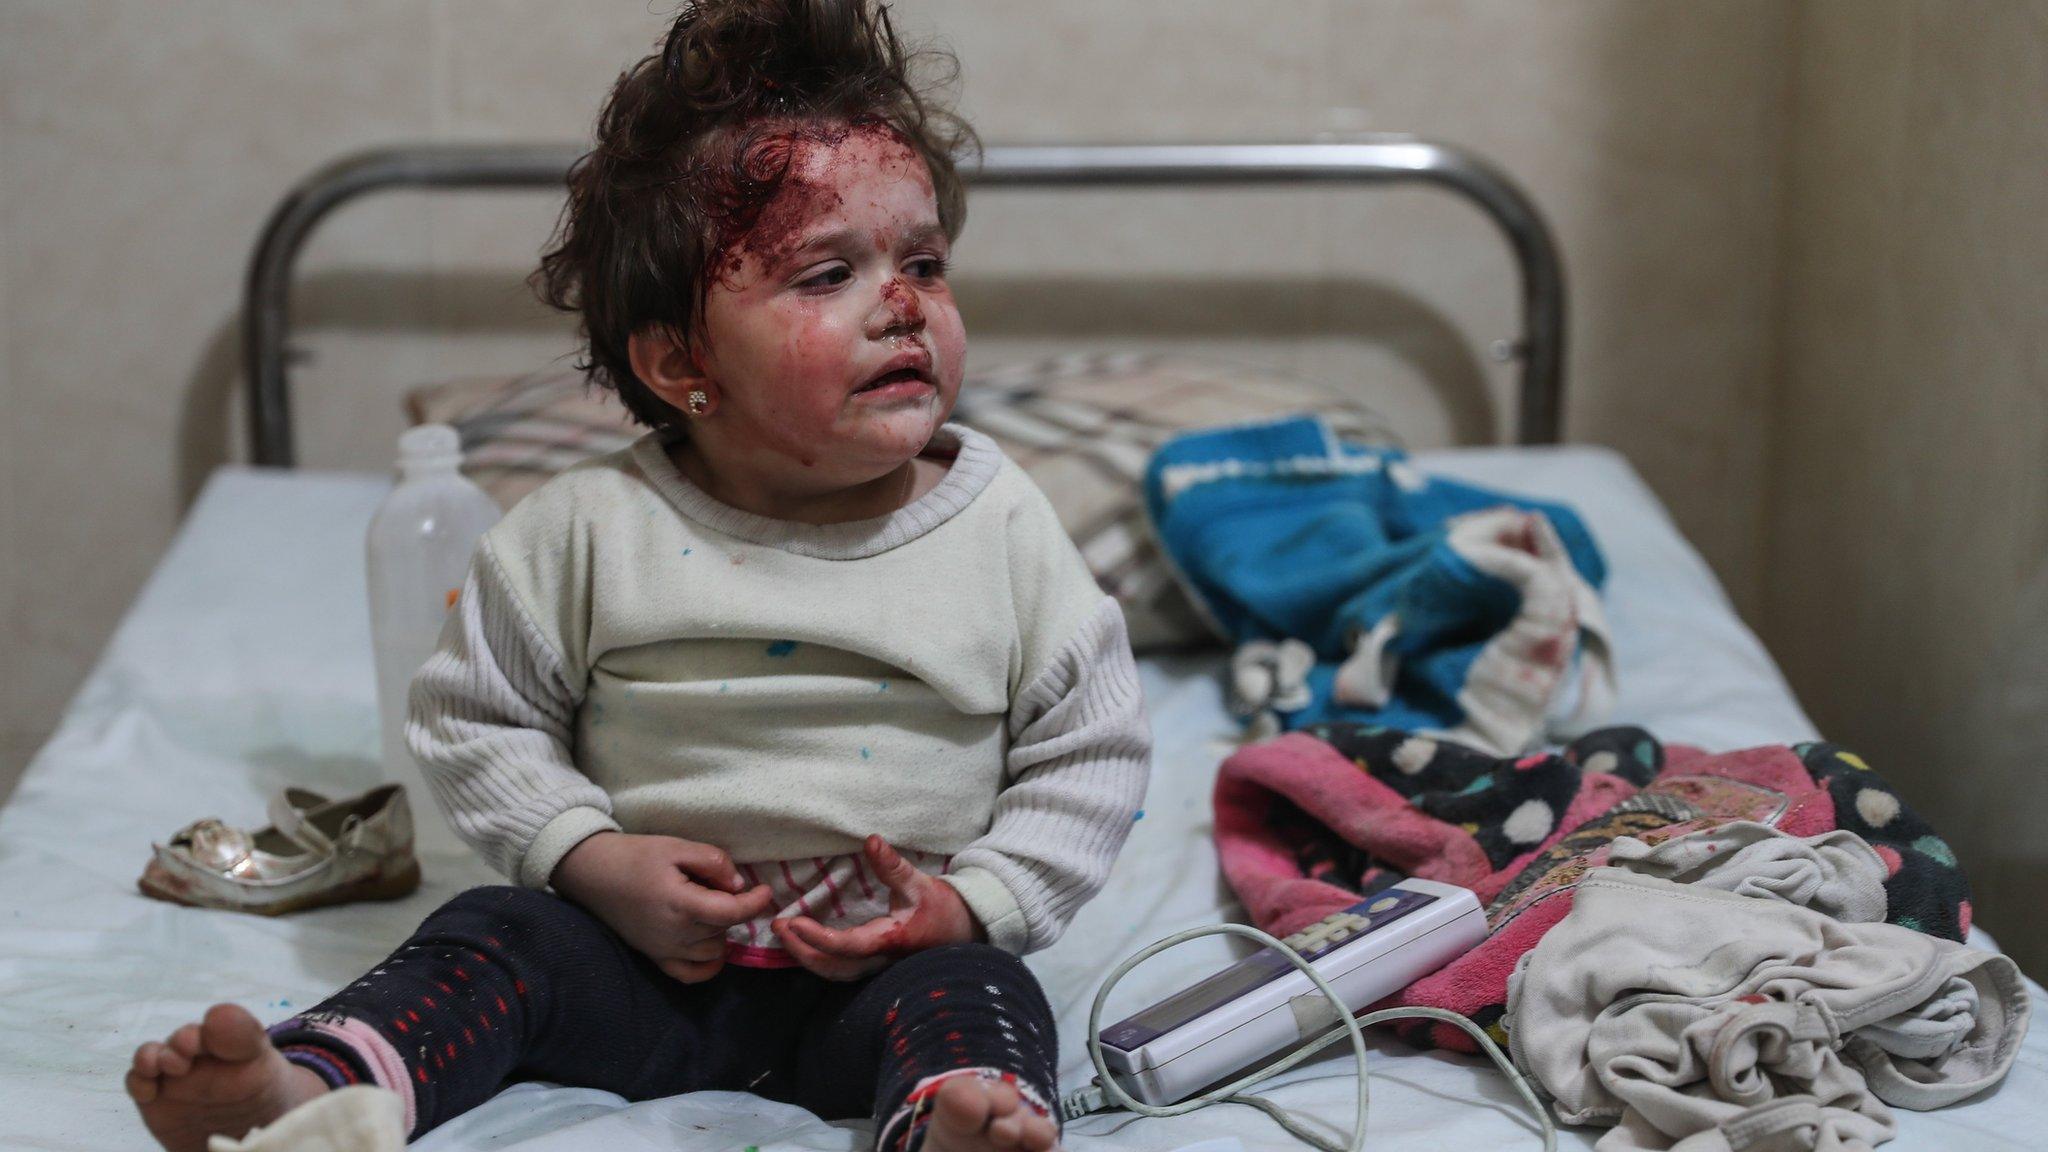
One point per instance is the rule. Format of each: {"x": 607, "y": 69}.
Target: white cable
{"x": 1106, "y": 1092}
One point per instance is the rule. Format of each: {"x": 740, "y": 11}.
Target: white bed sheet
{"x": 245, "y": 665}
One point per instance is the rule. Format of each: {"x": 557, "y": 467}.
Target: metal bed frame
{"x": 1377, "y": 160}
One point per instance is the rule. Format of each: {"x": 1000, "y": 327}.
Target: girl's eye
{"x": 830, "y": 277}
{"x": 928, "y": 267}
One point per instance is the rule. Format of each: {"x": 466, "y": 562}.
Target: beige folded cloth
{"x": 359, "y": 1118}
{"x": 1698, "y": 1020}
{"x": 1836, "y": 873}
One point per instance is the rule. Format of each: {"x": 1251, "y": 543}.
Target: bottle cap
{"x": 430, "y": 447}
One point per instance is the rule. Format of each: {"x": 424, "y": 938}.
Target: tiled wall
{"x": 1907, "y": 588}
{"x": 141, "y": 144}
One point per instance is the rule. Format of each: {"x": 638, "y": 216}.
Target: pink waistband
{"x": 754, "y": 956}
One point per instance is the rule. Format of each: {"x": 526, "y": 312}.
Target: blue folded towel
{"x": 1282, "y": 531}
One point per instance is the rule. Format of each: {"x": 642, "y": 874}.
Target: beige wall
{"x": 1804, "y": 242}
{"x": 141, "y": 144}
{"x": 1908, "y": 558}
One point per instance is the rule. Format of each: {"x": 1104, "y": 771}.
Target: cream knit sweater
{"x": 629, "y": 653}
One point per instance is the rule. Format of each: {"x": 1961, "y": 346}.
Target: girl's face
{"x": 829, "y": 328}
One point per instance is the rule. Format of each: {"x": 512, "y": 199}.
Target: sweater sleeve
{"x": 490, "y": 720}
{"x": 1079, "y": 757}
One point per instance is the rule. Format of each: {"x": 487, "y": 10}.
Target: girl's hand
{"x": 924, "y": 912}
{"x": 671, "y": 899}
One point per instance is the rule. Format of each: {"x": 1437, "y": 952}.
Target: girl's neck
{"x": 736, "y": 488}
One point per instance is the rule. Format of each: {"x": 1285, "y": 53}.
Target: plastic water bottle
{"x": 420, "y": 545}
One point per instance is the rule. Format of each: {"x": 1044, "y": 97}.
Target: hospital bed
{"x": 245, "y": 665}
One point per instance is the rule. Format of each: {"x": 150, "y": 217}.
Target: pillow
{"x": 1082, "y": 427}
{"x": 517, "y": 433}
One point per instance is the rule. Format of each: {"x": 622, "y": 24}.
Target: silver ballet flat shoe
{"x": 315, "y": 852}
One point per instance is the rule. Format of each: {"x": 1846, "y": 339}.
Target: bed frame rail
{"x": 1378, "y": 160}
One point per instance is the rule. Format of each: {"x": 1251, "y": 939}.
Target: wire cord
{"x": 1106, "y": 1093}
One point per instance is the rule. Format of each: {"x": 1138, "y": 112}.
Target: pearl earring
{"x": 697, "y": 402}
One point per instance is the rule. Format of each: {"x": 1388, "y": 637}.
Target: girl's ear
{"x": 665, "y": 363}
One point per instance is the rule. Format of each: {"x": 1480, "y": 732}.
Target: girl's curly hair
{"x": 679, "y": 173}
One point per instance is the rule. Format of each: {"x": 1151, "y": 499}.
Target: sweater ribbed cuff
{"x": 572, "y": 827}
{"x": 992, "y": 904}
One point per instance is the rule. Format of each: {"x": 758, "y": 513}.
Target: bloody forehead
{"x": 762, "y": 199}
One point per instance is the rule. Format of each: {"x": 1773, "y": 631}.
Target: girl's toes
{"x": 173, "y": 1063}
{"x": 147, "y": 1060}
{"x": 984, "y": 1115}
{"x": 1039, "y": 1135}
{"x": 141, "y": 1089}
{"x": 231, "y": 1033}
{"x": 1007, "y": 1109}
{"x": 1003, "y": 1099}
{"x": 1006, "y": 1132}
{"x": 185, "y": 1041}
{"x": 962, "y": 1106}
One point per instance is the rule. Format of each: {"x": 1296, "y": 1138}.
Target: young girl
{"x": 797, "y": 722}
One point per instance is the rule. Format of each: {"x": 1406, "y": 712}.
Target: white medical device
{"x": 1262, "y": 1004}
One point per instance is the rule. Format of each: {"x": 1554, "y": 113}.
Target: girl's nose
{"x": 898, "y": 312}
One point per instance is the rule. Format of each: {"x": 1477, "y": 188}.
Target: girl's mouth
{"x": 889, "y": 379}
{"x": 902, "y": 384}
{"x": 907, "y": 381}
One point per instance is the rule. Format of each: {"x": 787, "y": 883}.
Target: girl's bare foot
{"x": 975, "y": 1115}
{"x": 218, "y": 1076}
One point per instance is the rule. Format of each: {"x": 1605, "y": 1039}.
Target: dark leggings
{"x": 505, "y": 984}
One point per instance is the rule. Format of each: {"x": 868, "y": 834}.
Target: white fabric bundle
{"x": 1705, "y": 1021}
